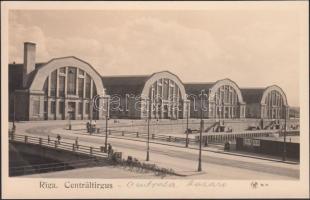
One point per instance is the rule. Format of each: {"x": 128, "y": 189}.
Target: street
{"x": 184, "y": 160}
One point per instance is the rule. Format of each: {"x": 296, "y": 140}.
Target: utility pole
{"x": 69, "y": 117}
{"x": 91, "y": 117}
{"x": 14, "y": 127}
{"x": 148, "y": 131}
{"x": 201, "y": 127}
{"x": 106, "y": 125}
{"x": 284, "y": 134}
{"x": 186, "y": 144}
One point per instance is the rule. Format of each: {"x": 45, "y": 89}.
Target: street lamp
{"x": 69, "y": 117}
{"x": 106, "y": 123}
{"x": 284, "y": 138}
{"x": 187, "y": 131}
{"x": 148, "y": 130}
{"x": 14, "y": 127}
{"x": 91, "y": 116}
{"x": 201, "y": 127}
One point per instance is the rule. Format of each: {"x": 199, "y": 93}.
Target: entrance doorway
{"x": 71, "y": 109}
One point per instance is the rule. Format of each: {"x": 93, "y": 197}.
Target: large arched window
{"x": 226, "y": 102}
{"x": 165, "y": 96}
{"x": 274, "y": 105}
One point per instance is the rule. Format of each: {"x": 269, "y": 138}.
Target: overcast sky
{"x": 255, "y": 48}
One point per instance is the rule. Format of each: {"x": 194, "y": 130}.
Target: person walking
{"x": 77, "y": 142}
{"x": 48, "y": 139}
{"x": 88, "y": 127}
{"x": 58, "y": 138}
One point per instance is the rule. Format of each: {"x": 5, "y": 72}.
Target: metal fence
{"x": 158, "y": 137}
{"x": 95, "y": 156}
{"x": 51, "y": 167}
{"x": 54, "y": 143}
{"x": 212, "y": 138}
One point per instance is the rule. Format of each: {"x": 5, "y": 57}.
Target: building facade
{"x": 266, "y": 103}
{"x": 159, "y": 96}
{"x": 66, "y": 87}
{"x": 59, "y": 89}
{"x": 220, "y": 100}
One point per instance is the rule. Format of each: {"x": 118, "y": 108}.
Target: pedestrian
{"x": 58, "y": 138}
{"x": 48, "y": 139}
{"x": 77, "y": 142}
{"x": 109, "y": 148}
{"x": 87, "y": 126}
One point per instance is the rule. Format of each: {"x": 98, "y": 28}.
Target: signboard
{"x": 256, "y": 143}
{"x": 247, "y": 142}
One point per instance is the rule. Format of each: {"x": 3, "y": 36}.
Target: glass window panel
{"x": 62, "y": 80}
{"x": 61, "y": 107}
{"x": 36, "y": 107}
{"x": 80, "y": 108}
{"x": 71, "y": 80}
{"x": 81, "y": 87}
{"x": 87, "y": 92}
{"x": 53, "y": 107}
{"x": 53, "y": 83}
{"x": 62, "y": 70}
{"x": 87, "y": 107}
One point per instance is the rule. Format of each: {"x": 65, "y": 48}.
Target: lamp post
{"x": 106, "y": 124}
{"x": 14, "y": 127}
{"x": 69, "y": 117}
{"x": 186, "y": 143}
{"x": 284, "y": 138}
{"x": 148, "y": 131}
{"x": 201, "y": 127}
{"x": 91, "y": 116}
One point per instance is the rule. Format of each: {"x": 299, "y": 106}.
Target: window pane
{"x": 61, "y": 86}
{"x": 81, "y": 72}
{"x": 81, "y": 87}
{"x": 87, "y": 108}
{"x": 62, "y": 70}
{"x": 61, "y": 107}
{"x": 53, "y": 83}
{"x": 53, "y": 107}
{"x": 36, "y": 107}
{"x": 72, "y": 80}
{"x": 80, "y": 108}
{"x": 87, "y": 86}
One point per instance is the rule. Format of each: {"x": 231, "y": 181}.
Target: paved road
{"x": 280, "y": 169}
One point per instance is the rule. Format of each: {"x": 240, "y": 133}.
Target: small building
{"x": 57, "y": 89}
{"x": 219, "y": 100}
{"x": 266, "y": 103}
{"x": 270, "y": 145}
{"x": 132, "y": 97}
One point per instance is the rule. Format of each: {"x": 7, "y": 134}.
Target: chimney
{"x": 29, "y": 60}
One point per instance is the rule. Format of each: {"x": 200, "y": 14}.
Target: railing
{"x": 231, "y": 136}
{"x": 212, "y": 137}
{"x": 67, "y": 146}
{"x": 50, "y": 167}
{"x": 135, "y": 134}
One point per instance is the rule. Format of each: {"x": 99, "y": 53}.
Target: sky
{"x": 254, "y": 48}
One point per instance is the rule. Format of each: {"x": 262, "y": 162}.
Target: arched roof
{"x": 163, "y": 74}
{"x": 273, "y": 88}
{"x": 44, "y": 70}
{"x": 258, "y": 95}
{"x": 229, "y": 82}
{"x": 138, "y": 85}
